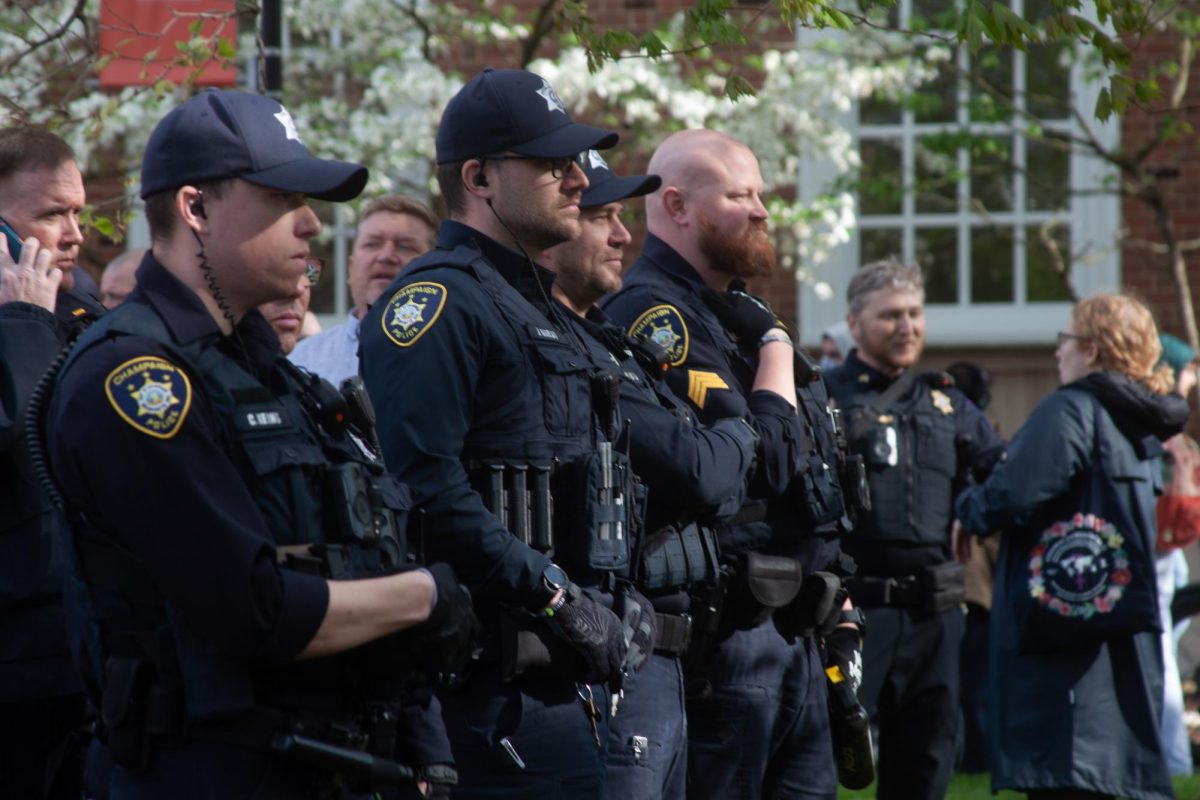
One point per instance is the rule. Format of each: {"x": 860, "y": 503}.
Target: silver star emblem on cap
{"x": 596, "y": 161}
{"x": 289, "y": 125}
{"x": 551, "y": 97}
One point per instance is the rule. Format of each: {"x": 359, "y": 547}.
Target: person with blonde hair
{"x": 1076, "y": 667}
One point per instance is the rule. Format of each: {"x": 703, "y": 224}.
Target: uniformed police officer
{"x": 221, "y": 504}
{"x": 758, "y": 722}
{"x": 503, "y": 426}
{"x": 693, "y": 475}
{"x": 921, "y": 439}
{"x": 42, "y": 707}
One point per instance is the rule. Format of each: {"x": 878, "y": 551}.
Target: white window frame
{"x": 1093, "y": 217}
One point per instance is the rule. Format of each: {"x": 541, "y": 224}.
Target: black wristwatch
{"x": 855, "y": 617}
{"x": 554, "y": 580}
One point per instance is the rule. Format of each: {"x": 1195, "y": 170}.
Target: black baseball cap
{"x": 221, "y": 134}
{"x": 605, "y": 186}
{"x": 512, "y": 110}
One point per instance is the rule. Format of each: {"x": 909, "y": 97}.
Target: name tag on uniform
{"x": 260, "y": 418}
{"x": 545, "y": 334}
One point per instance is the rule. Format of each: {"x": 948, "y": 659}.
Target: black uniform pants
{"x": 910, "y": 689}
{"x": 41, "y": 748}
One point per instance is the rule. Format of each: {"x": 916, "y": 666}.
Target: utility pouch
{"x": 764, "y": 584}
{"x": 854, "y": 484}
{"x": 943, "y": 586}
{"x": 817, "y": 604}
{"x": 674, "y": 558}
{"x": 603, "y": 508}
{"x": 822, "y": 497}
{"x": 528, "y": 646}
{"x": 123, "y": 710}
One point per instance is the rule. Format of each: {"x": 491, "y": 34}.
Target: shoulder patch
{"x": 700, "y": 383}
{"x": 151, "y": 394}
{"x": 664, "y": 326}
{"x": 412, "y": 311}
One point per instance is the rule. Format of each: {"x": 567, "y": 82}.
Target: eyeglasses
{"x": 1064, "y": 337}
{"x": 312, "y": 270}
{"x": 559, "y": 167}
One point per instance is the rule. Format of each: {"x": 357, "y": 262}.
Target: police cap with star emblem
{"x": 605, "y": 186}
{"x": 222, "y": 134}
{"x": 515, "y": 111}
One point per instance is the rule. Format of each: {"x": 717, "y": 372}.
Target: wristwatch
{"x": 775, "y": 335}
{"x": 554, "y": 580}
{"x": 855, "y": 617}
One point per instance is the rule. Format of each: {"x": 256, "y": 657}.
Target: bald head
{"x": 119, "y": 278}
{"x": 709, "y": 207}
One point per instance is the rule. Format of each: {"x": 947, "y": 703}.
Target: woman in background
{"x": 1081, "y": 722}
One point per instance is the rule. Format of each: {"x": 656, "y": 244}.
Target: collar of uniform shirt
{"x": 857, "y": 367}
{"x": 188, "y": 320}
{"x": 669, "y": 260}
{"x": 511, "y": 265}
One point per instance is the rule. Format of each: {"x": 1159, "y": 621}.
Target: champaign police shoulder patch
{"x": 664, "y": 326}
{"x": 151, "y": 394}
{"x": 412, "y": 311}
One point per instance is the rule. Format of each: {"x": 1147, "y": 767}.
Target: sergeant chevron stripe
{"x": 699, "y": 383}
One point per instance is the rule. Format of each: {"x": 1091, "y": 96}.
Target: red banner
{"x": 145, "y": 41}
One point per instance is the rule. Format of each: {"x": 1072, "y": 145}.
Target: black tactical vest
{"x": 909, "y": 450}
{"x": 304, "y": 480}
{"x": 552, "y": 475}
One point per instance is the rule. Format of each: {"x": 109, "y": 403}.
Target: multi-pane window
{"x": 972, "y": 177}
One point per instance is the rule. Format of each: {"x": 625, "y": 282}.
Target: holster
{"x": 123, "y": 711}
{"x": 527, "y": 645}
{"x": 944, "y": 586}
{"x": 816, "y": 608}
{"x": 763, "y": 584}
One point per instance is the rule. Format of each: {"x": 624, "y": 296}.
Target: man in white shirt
{"x": 392, "y": 231}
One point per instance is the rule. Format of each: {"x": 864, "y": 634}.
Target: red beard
{"x": 750, "y": 255}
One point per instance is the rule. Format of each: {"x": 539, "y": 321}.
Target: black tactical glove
{"x": 843, "y": 649}
{"x": 594, "y": 632}
{"x": 637, "y": 618}
{"x": 742, "y": 314}
{"x": 447, "y": 640}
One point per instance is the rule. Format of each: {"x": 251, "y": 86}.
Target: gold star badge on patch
{"x": 941, "y": 401}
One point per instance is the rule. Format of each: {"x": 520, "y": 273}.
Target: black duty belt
{"x": 902, "y": 592}
{"x": 674, "y": 632}
{"x": 330, "y": 745}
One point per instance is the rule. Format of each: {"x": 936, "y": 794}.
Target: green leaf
{"x": 104, "y": 225}
{"x": 736, "y": 86}
{"x": 226, "y": 48}
{"x": 1104, "y": 108}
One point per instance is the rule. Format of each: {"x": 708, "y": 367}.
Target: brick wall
{"x": 1143, "y": 272}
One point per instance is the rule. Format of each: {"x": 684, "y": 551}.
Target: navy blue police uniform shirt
{"x": 692, "y": 472}
{"x": 661, "y": 299}
{"x": 462, "y": 374}
{"x": 136, "y": 448}
{"x": 854, "y": 377}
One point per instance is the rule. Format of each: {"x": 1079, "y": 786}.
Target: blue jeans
{"x": 647, "y": 739}
{"x": 529, "y": 738}
{"x": 758, "y": 721}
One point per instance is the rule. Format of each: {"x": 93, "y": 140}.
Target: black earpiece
{"x": 480, "y": 179}
{"x": 198, "y": 207}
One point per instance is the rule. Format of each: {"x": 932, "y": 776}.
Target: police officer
{"x": 693, "y": 475}
{"x": 707, "y": 230}
{"x": 227, "y": 520}
{"x": 42, "y": 707}
{"x": 921, "y": 440}
{"x": 492, "y": 411}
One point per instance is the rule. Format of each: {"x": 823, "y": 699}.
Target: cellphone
{"x": 14, "y": 241}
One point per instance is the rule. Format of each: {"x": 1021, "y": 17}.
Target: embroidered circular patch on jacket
{"x": 664, "y": 326}
{"x": 412, "y": 311}
{"x": 151, "y": 394}
{"x": 1079, "y": 568}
